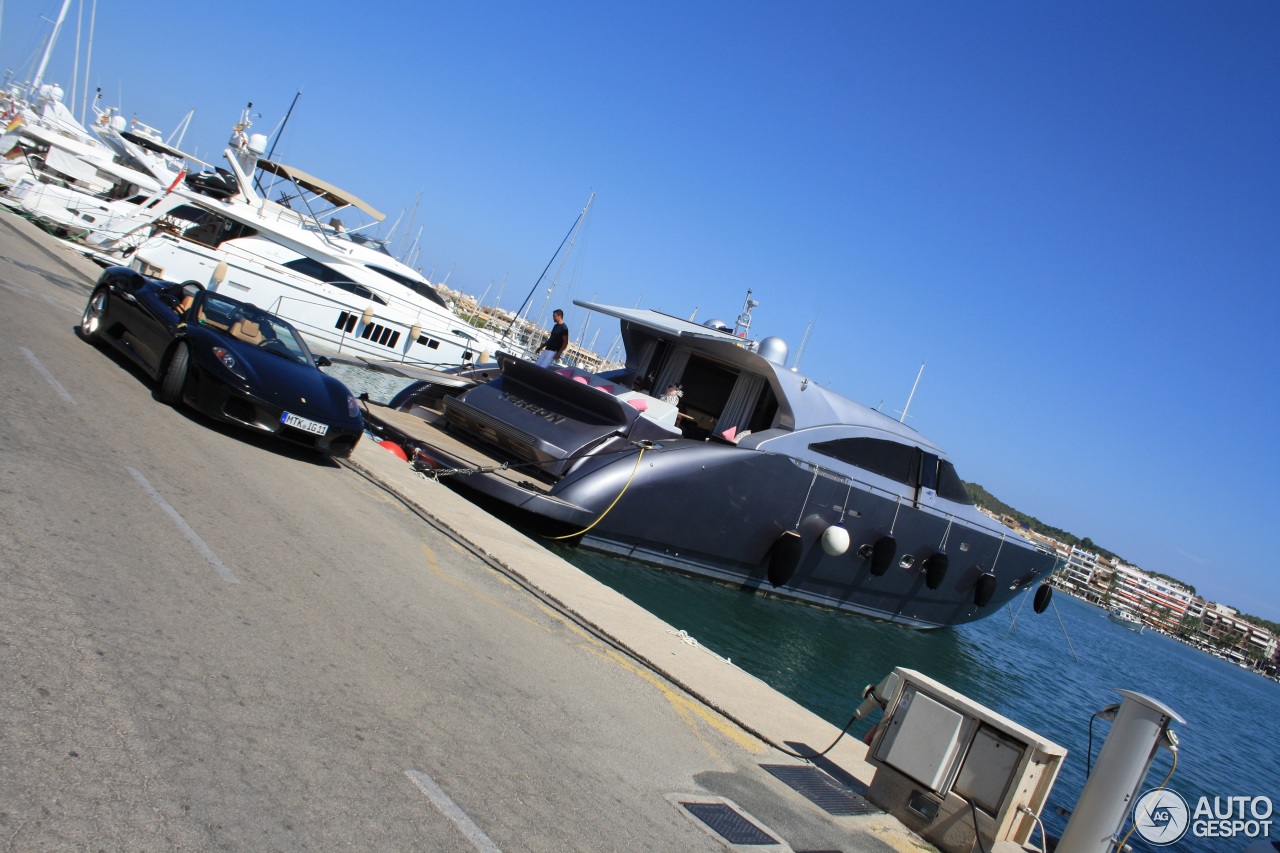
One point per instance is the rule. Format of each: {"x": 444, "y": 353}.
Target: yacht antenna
{"x": 912, "y": 394}
{"x": 795, "y": 365}
{"x": 743, "y": 324}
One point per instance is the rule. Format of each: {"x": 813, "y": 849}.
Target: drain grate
{"x": 829, "y": 795}
{"x": 728, "y": 824}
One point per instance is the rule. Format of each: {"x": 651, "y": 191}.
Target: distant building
{"x": 1079, "y": 574}
{"x": 1159, "y": 602}
{"x": 1236, "y": 639}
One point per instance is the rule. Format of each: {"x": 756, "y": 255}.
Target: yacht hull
{"x": 719, "y": 511}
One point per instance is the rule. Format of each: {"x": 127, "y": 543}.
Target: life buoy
{"x": 1043, "y": 596}
{"x": 935, "y": 570}
{"x": 984, "y": 588}
{"x": 784, "y": 557}
{"x": 882, "y": 554}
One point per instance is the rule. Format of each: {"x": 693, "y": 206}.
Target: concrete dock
{"x": 749, "y": 724}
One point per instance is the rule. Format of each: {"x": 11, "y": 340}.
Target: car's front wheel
{"x": 94, "y": 314}
{"x": 174, "y": 378}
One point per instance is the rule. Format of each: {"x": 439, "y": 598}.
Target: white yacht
{"x": 338, "y": 287}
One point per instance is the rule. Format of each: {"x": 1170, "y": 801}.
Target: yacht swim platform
{"x": 413, "y": 433}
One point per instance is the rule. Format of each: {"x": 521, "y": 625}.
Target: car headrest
{"x": 246, "y": 330}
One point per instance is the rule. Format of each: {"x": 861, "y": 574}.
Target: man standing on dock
{"x": 557, "y": 341}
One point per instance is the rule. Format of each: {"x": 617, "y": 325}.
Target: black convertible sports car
{"x": 226, "y": 358}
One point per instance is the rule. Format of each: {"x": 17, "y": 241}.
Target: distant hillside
{"x": 993, "y": 504}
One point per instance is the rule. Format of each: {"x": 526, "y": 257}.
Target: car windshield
{"x": 252, "y": 325}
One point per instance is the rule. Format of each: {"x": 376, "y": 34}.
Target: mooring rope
{"x": 625, "y": 486}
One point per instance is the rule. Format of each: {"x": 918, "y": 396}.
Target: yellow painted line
{"x": 686, "y": 707}
{"x": 689, "y": 710}
{"x": 383, "y": 497}
{"x": 435, "y": 568}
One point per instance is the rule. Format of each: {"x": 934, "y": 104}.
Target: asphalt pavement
{"x": 210, "y": 640}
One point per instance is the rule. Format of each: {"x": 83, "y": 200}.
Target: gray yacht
{"x": 704, "y": 453}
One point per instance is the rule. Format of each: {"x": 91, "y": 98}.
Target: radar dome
{"x": 774, "y": 349}
{"x": 258, "y": 143}
{"x": 718, "y": 325}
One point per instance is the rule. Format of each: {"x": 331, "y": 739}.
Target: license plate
{"x": 303, "y": 424}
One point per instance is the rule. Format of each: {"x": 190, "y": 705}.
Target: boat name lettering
{"x": 533, "y": 409}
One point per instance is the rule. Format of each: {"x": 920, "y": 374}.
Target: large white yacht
{"x": 217, "y": 228}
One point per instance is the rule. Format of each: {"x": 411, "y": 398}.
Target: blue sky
{"x": 1069, "y": 211}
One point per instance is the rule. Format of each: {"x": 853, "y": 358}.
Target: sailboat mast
{"x": 564, "y": 259}
{"x": 573, "y": 232}
{"x": 88, "y": 56}
{"x": 48, "y": 50}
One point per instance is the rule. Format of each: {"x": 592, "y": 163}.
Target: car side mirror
{"x": 323, "y": 361}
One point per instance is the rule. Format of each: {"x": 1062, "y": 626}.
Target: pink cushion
{"x": 730, "y": 433}
{"x": 565, "y": 371}
{"x": 638, "y": 404}
{"x": 608, "y": 389}
{"x": 581, "y": 379}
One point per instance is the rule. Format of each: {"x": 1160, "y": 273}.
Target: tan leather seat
{"x": 246, "y": 330}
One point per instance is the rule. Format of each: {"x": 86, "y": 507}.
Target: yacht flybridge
{"x": 704, "y": 453}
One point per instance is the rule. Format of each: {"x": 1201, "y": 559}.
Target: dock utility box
{"x": 950, "y": 769}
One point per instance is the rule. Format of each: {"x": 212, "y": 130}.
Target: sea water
{"x": 1048, "y": 672}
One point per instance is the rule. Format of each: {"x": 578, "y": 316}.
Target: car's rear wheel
{"x": 174, "y": 378}
{"x": 94, "y": 314}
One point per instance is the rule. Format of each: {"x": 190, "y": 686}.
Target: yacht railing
{"x": 871, "y": 488}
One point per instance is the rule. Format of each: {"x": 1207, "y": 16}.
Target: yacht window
{"x": 902, "y": 463}
{"x": 314, "y": 269}
{"x": 950, "y": 486}
{"x": 203, "y": 226}
{"x": 877, "y": 455}
{"x": 422, "y": 288}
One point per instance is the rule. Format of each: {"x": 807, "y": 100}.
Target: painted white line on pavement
{"x": 44, "y": 371}
{"x": 451, "y": 810}
{"x": 204, "y": 549}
